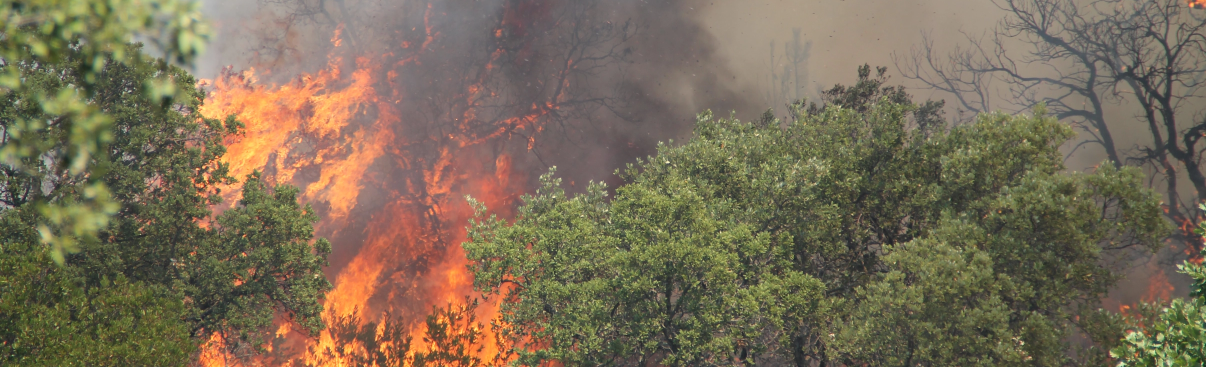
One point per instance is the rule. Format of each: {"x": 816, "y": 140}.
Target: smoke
{"x": 734, "y": 34}
{"x": 388, "y": 113}
{"x": 672, "y": 67}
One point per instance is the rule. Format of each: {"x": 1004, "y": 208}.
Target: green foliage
{"x": 48, "y": 319}
{"x": 258, "y": 261}
{"x": 860, "y": 232}
{"x": 1178, "y": 336}
{"x": 68, "y": 129}
{"x": 868, "y": 90}
{"x": 943, "y": 304}
{"x": 656, "y": 270}
{"x": 167, "y": 255}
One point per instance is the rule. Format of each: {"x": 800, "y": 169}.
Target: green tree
{"x": 164, "y": 263}
{"x": 845, "y": 236}
{"x": 48, "y": 318}
{"x": 69, "y": 129}
{"x": 1178, "y": 336}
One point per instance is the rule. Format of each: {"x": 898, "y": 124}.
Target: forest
{"x": 579, "y": 183}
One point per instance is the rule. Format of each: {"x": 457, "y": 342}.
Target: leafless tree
{"x": 1081, "y": 58}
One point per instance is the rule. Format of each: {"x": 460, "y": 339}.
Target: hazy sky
{"x": 844, "y": 33}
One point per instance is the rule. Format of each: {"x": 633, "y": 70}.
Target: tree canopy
{"x": 94, "y": 33}
{"x": 165, "y": 273}
{"x": 848, "y": 234}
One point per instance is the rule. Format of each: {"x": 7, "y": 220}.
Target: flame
{"x": 387, "y": 178}
{"x": 213, "y": 353}
{"x": 1197, "y": 4}
{"x": 276, "y": 117}
{"x": 1158, "y": 287}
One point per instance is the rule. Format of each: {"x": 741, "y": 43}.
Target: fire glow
{"x": 388, "y": 168}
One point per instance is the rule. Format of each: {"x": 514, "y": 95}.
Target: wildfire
{"x": 212, "y": 353}
{"x": 386, "y": 169}
{"x": 392, "y": 132}
{"x": 1197, "y": 4}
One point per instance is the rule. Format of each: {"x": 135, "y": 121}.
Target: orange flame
{"x": 386, "y": 140}
{"x": 213, "y": 353}
{"x": 381, "y": 179}
{"x": 1158, "y": 288}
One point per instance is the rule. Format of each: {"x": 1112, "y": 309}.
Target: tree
{"x": 47, "y": 318}
{"x": 164, "y": 263}
{"x": 1082, "y": 57}
{"x": 1178, "y": 336}
{"x": 846, "y": 236}
{"x": 869, "y": 90}
{"x": 43, "y": 32}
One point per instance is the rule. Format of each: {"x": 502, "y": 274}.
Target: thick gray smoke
{"x": 653, "y": 64}
{"x": 725, "y": 45}
{"x": 582, "y": 85}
